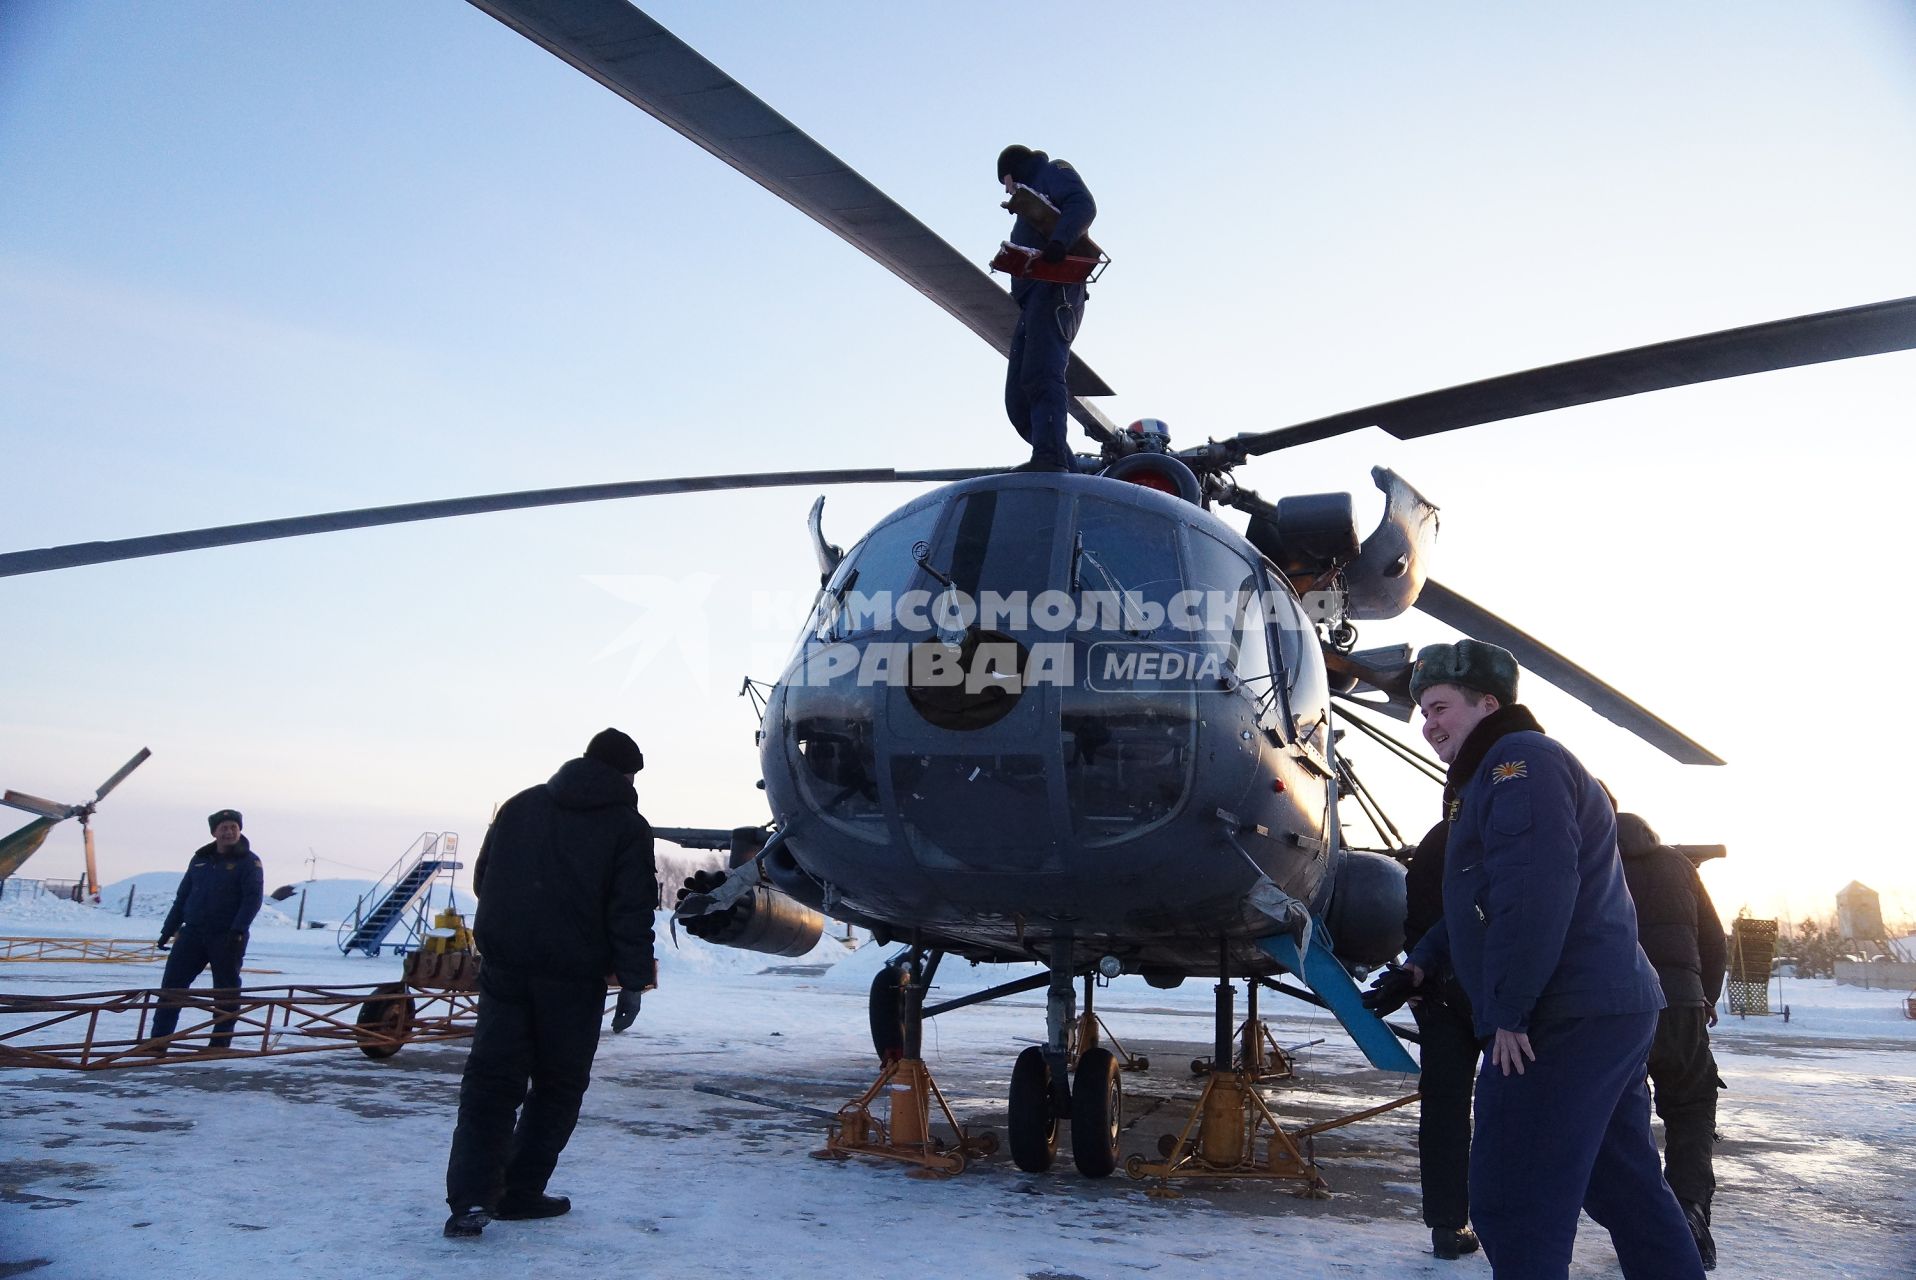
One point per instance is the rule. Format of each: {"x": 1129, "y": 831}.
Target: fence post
{"x": 301, "y": 922}
{"x": 129, "y": 902}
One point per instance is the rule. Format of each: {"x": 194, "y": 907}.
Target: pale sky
{"x": 262, "y": 260}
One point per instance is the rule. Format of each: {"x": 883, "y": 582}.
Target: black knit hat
{"x": 213, "y": 820}
{"x": 1016, "y": 161}
{"x": 613, "y": 749}
{"x": 1468, "y": 664}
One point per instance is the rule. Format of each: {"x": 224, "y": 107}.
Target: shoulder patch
{"x": 1507, "y": 770}
{"x": 1065, "y": 165}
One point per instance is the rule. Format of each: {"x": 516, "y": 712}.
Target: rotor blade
{"x": 120, "y": 777}
{"x": 19, "y": 562}
{"x": 34, "y": 804}
{"x": 695, "y": 837}
{"x": 632, "y": 55}
{"x": 1870, "y": 330}
{"x": 1445, "y": 605}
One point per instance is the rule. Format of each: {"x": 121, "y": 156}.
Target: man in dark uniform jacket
{"x": 1036, "y": 398}
{"x": 567, "y": 886}
{"x": 1539, "y": 929}
{"x": 212, "y": 910}
{"x": 1447, "y": 1056}
{"x": 1678, "y": 927}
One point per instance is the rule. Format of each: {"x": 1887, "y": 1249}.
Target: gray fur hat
{"x": 1469, "y": 664}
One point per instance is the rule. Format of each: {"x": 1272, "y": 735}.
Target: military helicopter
{"x": 1174, "y": 826}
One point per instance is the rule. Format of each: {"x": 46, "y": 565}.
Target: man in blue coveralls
{"x": 1036, "y": 399}
{"x": 1539, "y": 929}
{"x": 217, "y": 899}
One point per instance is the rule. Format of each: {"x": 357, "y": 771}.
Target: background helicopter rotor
{"x": 54, "y": 812}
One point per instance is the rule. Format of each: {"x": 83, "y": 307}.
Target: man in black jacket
{"x": 1678, "y": 927}
{"x": 212, "y": 910}
{"x": 1447, "y": 1056}
{"x": 567, "y": 886}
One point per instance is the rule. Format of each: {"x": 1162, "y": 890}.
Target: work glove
{"x": 166, "y": 940}
{"x": 1054, "y": 251}
{"x": 628, "y": 1009}
{"x": 1390, "y": 992}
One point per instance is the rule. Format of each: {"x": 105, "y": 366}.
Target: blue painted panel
{"x": 1322, "y": 973}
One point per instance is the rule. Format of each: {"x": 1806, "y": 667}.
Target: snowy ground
{"x": 331, "y": 1164}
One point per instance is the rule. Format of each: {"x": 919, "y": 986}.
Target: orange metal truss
{"x": 95, "y": 1030}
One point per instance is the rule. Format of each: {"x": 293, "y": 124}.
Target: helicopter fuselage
{"x": 1030, "y": 707}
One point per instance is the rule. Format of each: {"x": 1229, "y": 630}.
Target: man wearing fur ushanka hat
{"x": 1539, "y": 929}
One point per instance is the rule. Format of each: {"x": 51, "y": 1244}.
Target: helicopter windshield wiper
{"x": 1128, "y": 608}
{"x": 921, "y": 554}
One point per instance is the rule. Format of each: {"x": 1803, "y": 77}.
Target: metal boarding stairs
{"x": 408, "y": 884}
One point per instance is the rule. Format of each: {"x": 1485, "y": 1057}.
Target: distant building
{"x": 1859, "y": 912}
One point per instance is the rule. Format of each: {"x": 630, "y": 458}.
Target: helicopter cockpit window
{"x": 1124, "y": 570}
{"x": 999, "y": 541}
{"x": 1233, "y": 616}
{"x": 1127, "y": 760}
{"x": 882, "y": 563}
{"x": 838, "y": 769}
{"x": 1309, "y": 692}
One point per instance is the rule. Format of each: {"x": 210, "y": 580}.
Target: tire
{"x": 391, "y": 1019}
{"x": 889, "y": 1002}
{"x": 1097, "y": 1106}
{"x": 1032, "y": 1126}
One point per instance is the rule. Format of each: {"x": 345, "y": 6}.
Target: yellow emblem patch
{"x": 1509, "y": 769}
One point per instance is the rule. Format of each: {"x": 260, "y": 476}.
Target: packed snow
{"x": 330, "y": 1164}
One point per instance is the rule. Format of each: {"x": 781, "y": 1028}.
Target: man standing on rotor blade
{"x": 1036, "y": 398}
{"x": 1539, "y": 928}
{"x": 567, "y": 886}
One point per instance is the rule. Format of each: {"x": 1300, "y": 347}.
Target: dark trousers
{"x": 1573, "y": 1132}
{"x": 1683, "y": 1071}
{"x": 1036, "y": 398}
{"x": 533, "y": 1045}
{"x": 192, "y": 951}
{"x": 1448, "y": 1058}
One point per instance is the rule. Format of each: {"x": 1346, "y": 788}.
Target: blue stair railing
{"x": 401, "y": 897}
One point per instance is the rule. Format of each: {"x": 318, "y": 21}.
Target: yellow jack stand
{"x": 1258, "y": 1053}
{"x": 906, "y": 1091}
{"x": 1221, "y": 1139}
{"x": 1090, "y": 1032}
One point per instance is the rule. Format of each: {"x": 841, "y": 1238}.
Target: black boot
{"x": 467, "y": 1223}
{"x": 1699, "y": 1219}
{"x": 518, "y": 1208}
{"x": 1451, "y": 1245}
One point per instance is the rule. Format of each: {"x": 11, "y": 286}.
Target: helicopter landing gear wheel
{"x": 1097, "y": 1102}
{"x": 891, "y": 1010}
{"x": 1032, "y": 1127}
